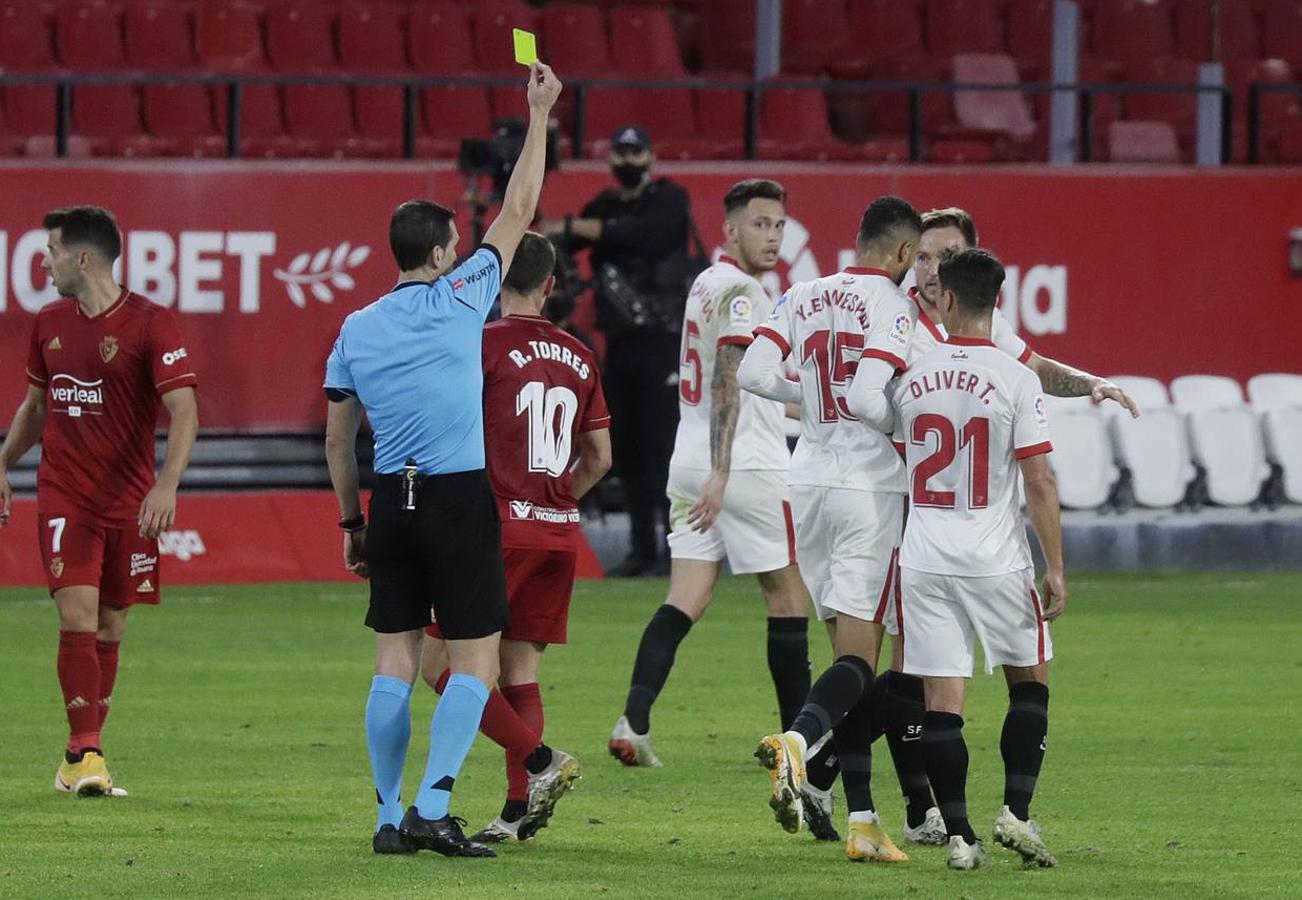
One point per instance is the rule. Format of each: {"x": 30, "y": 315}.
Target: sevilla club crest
{"x": 56, "y": 567}
{"x": 108, "y": 348}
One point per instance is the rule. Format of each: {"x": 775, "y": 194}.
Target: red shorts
{"x": 538, "y": 588}
{"x": 118, "y": 561}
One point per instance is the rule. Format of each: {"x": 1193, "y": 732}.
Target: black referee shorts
{"x": 445, "y": 556}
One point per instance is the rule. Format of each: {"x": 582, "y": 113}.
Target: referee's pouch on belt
{"x": 409, "y": 489}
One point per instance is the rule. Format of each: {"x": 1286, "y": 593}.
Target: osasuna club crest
{"x": 108, "y": 348}
{"x": 56, "y": 567}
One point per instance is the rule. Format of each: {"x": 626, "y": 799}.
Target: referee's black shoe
{"x": 390, "y": 840}
{"x": 440, "y": 835}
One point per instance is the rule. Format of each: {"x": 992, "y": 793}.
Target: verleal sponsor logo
{"x": 184, "y": 545}
{"x": 77, "y": 394}
{"x": 173, "y": 356}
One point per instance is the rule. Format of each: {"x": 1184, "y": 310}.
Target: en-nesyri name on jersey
{"x": 829, "y": 325}
{"x": 723, "y": 308}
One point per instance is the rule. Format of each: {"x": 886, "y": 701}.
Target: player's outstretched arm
{"x": 866, "y": 396}
{"x": 158, "y": 509}
{"x": 761, "y": 372}
{"x": 343, "y": 418}
{"x": 725, "y": 407}
{"x": 594, "y": 460}
{"x": 24, "y": 432}
{"x": 1042, "y": 507}
{"x": 1061, "y": 380}
{"x": 521, "y": 198}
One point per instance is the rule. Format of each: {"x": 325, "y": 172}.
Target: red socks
{"x": 108, "y": 676}
{"x": 500, "y": 723}
{"x": 79, "y": 677}
{"x": 526, "y": 701}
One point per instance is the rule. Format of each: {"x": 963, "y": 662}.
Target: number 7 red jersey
{"x": 829, "y": 325}
{"x": 541, "y": 391}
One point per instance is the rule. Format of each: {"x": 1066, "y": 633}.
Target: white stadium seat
{"x": 1148, "y": 393}
{"x": 1155, "y": 449}
{"x": 1283, "y": 432}
{"x": 1275, "y": 390}
{"x": 1195, "y": 392}
{"x": 1082, "y": 454}
{"x": 1227, "y": 443}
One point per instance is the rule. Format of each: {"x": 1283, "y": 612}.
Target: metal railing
{"x": 1254, "y": 101}
{"x": 751, "y": 91}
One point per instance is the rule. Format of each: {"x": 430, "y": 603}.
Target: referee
{"x": 411, "y": 362}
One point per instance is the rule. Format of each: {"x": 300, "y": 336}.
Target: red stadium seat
{"x": 1030, "y": 36}
{"x": 1290, "y": 143}
{"x": 299, "y": 37}
{"x": 107, "y": 115}
{"x": 262, "y": 129}
{"x": 159, "y": 36}
{"x": 29, "y": 109}
{"x": 493, "y": 21}
{"x": 379, "y": 117}
{"x": 963, "y": 26}
{"x": 1132, "y": 31}
{"x": 646, "y": 41}
{"x": 89, "y": 35}
{"x": 608, "y": 109}
{"x": 371, "y": 38}
{"x": 26, "y": 42}
{"x": 319, "y": 118}
{"x": 453, "y": 112}
{"x": 728, "y": 36}
{"x": 1002, "y": 112}
{"x": 1281, "y": 33}
{"x": 1275, "y": 109}
{"x": 228, "y": 36}
{"x": 879, "y": 33}
{"x": 1179, "y": 110}
{"x": 794, "y": 125}
{"x": 961, "y": 151}
{"x": 1193, "y": 31}
{"x": 721, "y": 116}
{"x": 574, "y": 38}
{"x": 439, "y": 38}
{"x": 888, "y": 112}
{"x": 180, "y": 120}
{"x": 1142, "y": 142}
{"x": 813, "y": 32}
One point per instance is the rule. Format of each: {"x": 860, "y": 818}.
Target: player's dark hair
{"x": 975, "y": 277}
{"x": 86, "y": 226}
{"x": 534, "y": 260}
{"x": 951, "y": 217}
{"x": 416, "y": 228}
{"x": 744, "y": 192}
{"x": 887, "y": 217}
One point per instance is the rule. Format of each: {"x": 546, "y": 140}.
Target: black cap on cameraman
{"x": 631, "y": 136}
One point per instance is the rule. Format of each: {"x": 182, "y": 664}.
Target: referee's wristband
{"x": 356, "y": 523}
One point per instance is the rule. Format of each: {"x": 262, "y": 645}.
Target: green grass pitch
{"x": 1173, "y": 764}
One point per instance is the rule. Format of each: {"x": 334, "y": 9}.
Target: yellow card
{"x": 526, "y": 46}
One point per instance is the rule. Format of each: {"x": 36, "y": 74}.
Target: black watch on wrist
{"x": 356, "y": 523}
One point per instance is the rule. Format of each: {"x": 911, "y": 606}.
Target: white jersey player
{"x": 848, "y": 335}
{"x": 971, "y": 418}
{"x": 728, "y": 495}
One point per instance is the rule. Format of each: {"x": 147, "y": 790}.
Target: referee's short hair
{"x": 975, "y": 277}
{"x": 887, "y": 216}
{"x": 744, "y": 192}
{"x": 534, "y": 260}
{"x": 86, "y": 226}
{"x": 415, "y": 229}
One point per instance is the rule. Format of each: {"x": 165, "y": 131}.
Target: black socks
{"x": 832, "y": 696}
{"x": 853, "y": 738}
{"x": 655, "y": 657}
{"x": 902, "y": 709}
{"x": 788, "y": 651}
{"x": 1022, "y": 744}
{"x": 946, "y": 754}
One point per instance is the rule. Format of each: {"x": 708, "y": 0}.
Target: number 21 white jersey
{"x": 968, "y": 413}
{"x": 829, "y": 325}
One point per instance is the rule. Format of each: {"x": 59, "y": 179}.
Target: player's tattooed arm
{"x": 725, "y": 405}
{"x": 1061, "y": 380}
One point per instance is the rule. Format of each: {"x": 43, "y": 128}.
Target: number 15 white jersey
{"x": 968, "y": 412}
{"x": 829, "y": 325}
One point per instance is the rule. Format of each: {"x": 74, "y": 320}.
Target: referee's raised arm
{"x": 521, "y": 198}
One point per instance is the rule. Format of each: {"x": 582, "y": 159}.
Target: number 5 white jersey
{"x": 723, "y": 307}
{"x": 829, "y": 325}
{"x": 968, "y": 412}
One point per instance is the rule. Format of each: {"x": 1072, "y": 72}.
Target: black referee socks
{"x": 1023, "y": 744}
{"x": 788, "y": 650}
{"x": 655, "y": 657}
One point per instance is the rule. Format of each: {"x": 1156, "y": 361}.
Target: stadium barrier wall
{"x": 220, "y": 538}
{"x": 1121, "y": 270}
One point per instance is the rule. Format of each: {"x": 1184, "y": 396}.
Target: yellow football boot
{"x": 869, "y": 842}
{"x": 87, "y": 778}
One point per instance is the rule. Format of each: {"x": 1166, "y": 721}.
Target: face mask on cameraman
{"x": 629, "y": 175}
{"x": 631, "y": 141}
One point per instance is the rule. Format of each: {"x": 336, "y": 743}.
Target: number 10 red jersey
{"x": 541, "y": 391}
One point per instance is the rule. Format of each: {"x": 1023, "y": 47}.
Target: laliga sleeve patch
{"x": 1040, "y": 418}
{"x": 900, "y": 330}
{"x": 739, "y": 310}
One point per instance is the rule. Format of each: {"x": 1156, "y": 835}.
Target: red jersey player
{"x": 542, "y": 402}
{"x": 102, "y": 359}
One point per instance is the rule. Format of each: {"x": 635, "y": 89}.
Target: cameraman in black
{"x": 638, "y": 233}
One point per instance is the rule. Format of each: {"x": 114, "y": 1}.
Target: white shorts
{"x": 942, "y": 614}
{"x": 848, "y": 545}
{"x": 754, "y": 529}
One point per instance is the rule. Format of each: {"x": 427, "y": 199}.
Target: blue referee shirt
{"x": 413, "y": 358}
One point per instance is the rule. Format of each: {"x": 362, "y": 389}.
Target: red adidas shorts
{"x": 118, "y": 561}
{"x": 538, "y": 588}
